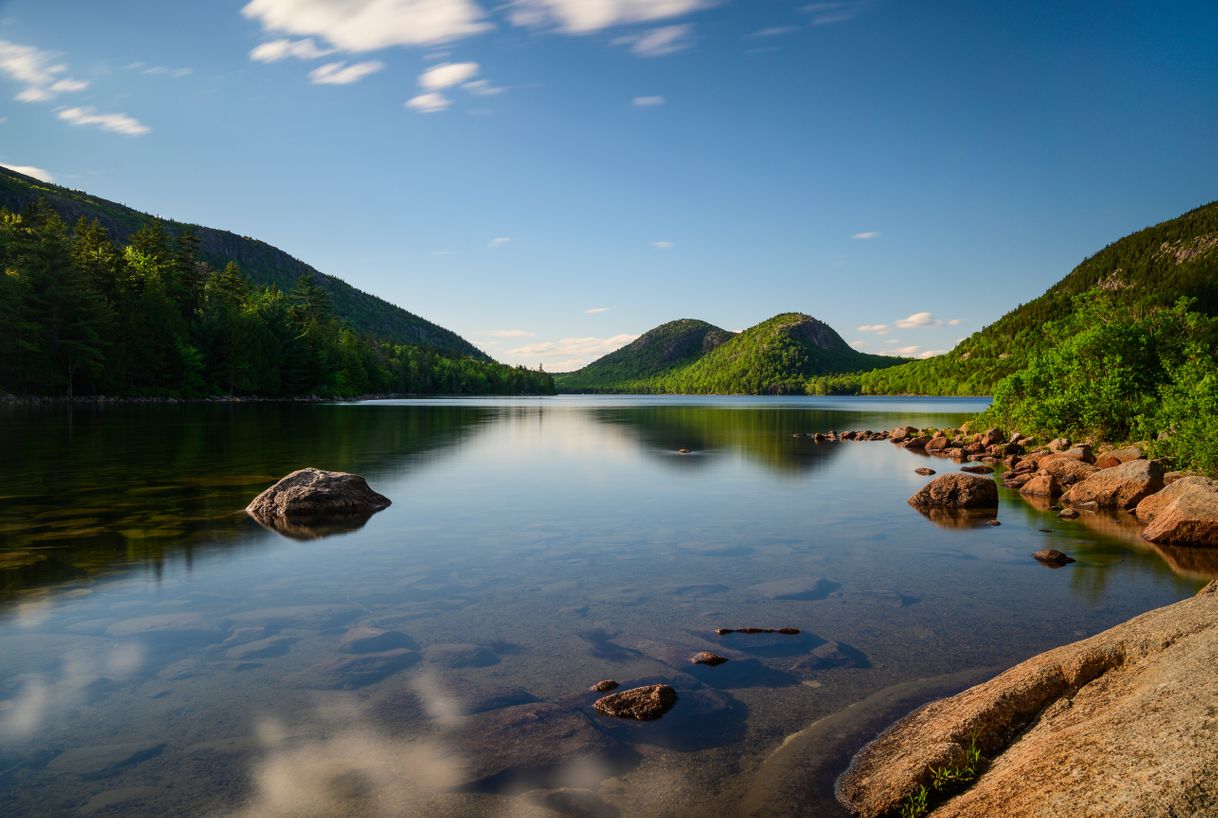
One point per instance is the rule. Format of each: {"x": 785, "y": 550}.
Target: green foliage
{"x": 944, "y": 781}
{"x": 177, "y": 251}
{"x": 150, "y": 319}
{"x": 776, "y": 357}
{"x": 1115, "y": 376}
{"x": 915, "y": 804}
{"x": 1149, "y": 269}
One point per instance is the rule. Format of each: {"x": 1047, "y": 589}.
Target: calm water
{"x": 161, "y": 653}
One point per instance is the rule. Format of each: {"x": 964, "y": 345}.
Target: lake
{"x": 164, "y": 654}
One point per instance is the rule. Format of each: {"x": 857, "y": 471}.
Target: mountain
{"x": 1150, "y": 268}
{"x": 653, "y": 353}
{"x": 260, "y": 262}
{"x": 775, "y": 357}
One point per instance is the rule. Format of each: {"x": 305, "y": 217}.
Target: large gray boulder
{"x": 1119, "y": 724}
{"x": 310, "y": 495}
{"x": 957, "y": 490}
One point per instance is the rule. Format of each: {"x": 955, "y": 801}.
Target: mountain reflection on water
{"x": 164, "y": 654}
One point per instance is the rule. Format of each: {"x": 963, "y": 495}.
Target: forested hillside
{"x": 653, "y": 353}
{"x": 1151, "y": 268}
{"x": 151, "y": 317}
{"x": 776, "y": 357}
{"x": 263, "y": 264}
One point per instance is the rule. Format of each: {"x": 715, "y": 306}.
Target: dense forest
{"x": 775, "y": 357}
{"x": 151, "y": 318}
{"x": 1146, "y": 270}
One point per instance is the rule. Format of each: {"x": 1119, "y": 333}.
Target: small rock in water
{"x": 604, "y": 686}
{"x": 1051, "y": 556}
{"x": 995, "y": 522}
{"x": 924, "y": 471}
{"x": 707, "y": 658}
{"x": 1068, "y": 514}
{"x": 783, "y": 631}
{"x": 682, "y": 451}
{"x": 643, "y": 703}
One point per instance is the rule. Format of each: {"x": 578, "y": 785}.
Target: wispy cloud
{"x": 114, "y": 123}
{"x": 40, "y": 72}
{"x": 339, "y": 73}
{"x": 866, "y": 235}
{"x": 583, "y": 16}
{"x": 595, "y": 310}
{"x": 658, "y": 42}
{"x": 369, "y": 25}
{"x": 662, "y": 245}
{"x": 648, "y": 102}
{"x": 499, "y": 241}
{"x": 29, "y": 170}
{"x": 878, "y": 329}
{"x": 509, "y": 333}
{"x": 826, "y": 14}
{"x": 160, "y": 70}
{"x": 483, "y": 88}
{"x": 925, "y": 319}
{"x": 773, "y": 31}
{"x": 569, "y": 353}
{"x": 428, "y": 103}
{"x": 276, "y": 50}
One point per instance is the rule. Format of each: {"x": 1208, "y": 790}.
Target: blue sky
{"x": 550, "y": 178}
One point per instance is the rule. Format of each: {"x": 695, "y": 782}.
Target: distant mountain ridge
{"x": 1152, "y": 267}
{"x": 776, "y": 356}
{"x": 260, "y": 262}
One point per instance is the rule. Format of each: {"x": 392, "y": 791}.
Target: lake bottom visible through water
{"x": 164, "y": 654}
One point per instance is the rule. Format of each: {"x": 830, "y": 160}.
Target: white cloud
{"x": 954, "y": 322}
{"x": 662, "y": 245}
{"x": 428, "y": 103}
{"x": 824, "y": 14}
{"x": 866, "y": 235}
{"x": 858, "y": 344}
{"x": 29, "y": 170}
{"x": 509, "y": 333}
{"x": 570, "y": 353}
{"x": 878, "y": 329}
{"x": 368, "y": 25}
{"x": 595, "y": 310}
{"x": 483, "y": 88}
{"x": 276, "y": 50}
{"x": 924, "y": 319}
{"x": 500, "y": 241}
{"x": 339, "y": 73}
{"x": 658, "y": 42}
{"x": 160, "y": 70}
{"x": 773, "y": 31}
{"x": 38, "y": 71}
{"x": 446, "y": 75}
{"x": 907, "y": 351}
{"x": 115, "y": 123}
{"x": 583, "y": 16}
{"x": 648, "y": 102}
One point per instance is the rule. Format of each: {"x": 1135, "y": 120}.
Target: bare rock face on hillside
{"x": 315, "y": 497}
{"x": 957, "y": 491}
{"x": 1120, "y": 487}
{"x": 1185, "y": 513}
{"x": 1122, "y": 723}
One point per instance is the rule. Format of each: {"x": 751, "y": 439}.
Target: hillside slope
{"x": 1150, "y": 268}
{"x": 259, "y": 261}
{"x": 776, "y": 357}
{"x": 653, "y": 353}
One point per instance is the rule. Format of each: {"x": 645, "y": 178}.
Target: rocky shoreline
{"x": 1121, "y": 723}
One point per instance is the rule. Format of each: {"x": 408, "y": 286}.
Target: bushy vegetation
{"x": 263, "y": 264}
{"x": 776, "y": 357}
{"x": 151, "y": 318}
{"x": 1116, "y": 375}
{"x": 1151, "y": 268}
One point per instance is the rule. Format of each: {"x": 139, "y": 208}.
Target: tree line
{"x": 84, "y": 315}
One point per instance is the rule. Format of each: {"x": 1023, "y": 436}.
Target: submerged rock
{"x": 956, "y": 491}
{"x": 1121, "y": 723}
{"x": 643, "y": 703}
{"x": 800, "y": 588}
{"x": 308, "y": 495}
{"x": 604, "y": 686}
{"x": 1051, "y": 556}
{"x": 707, "y": 658}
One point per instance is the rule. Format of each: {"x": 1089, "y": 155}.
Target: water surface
{"x": 162, "y": 653}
